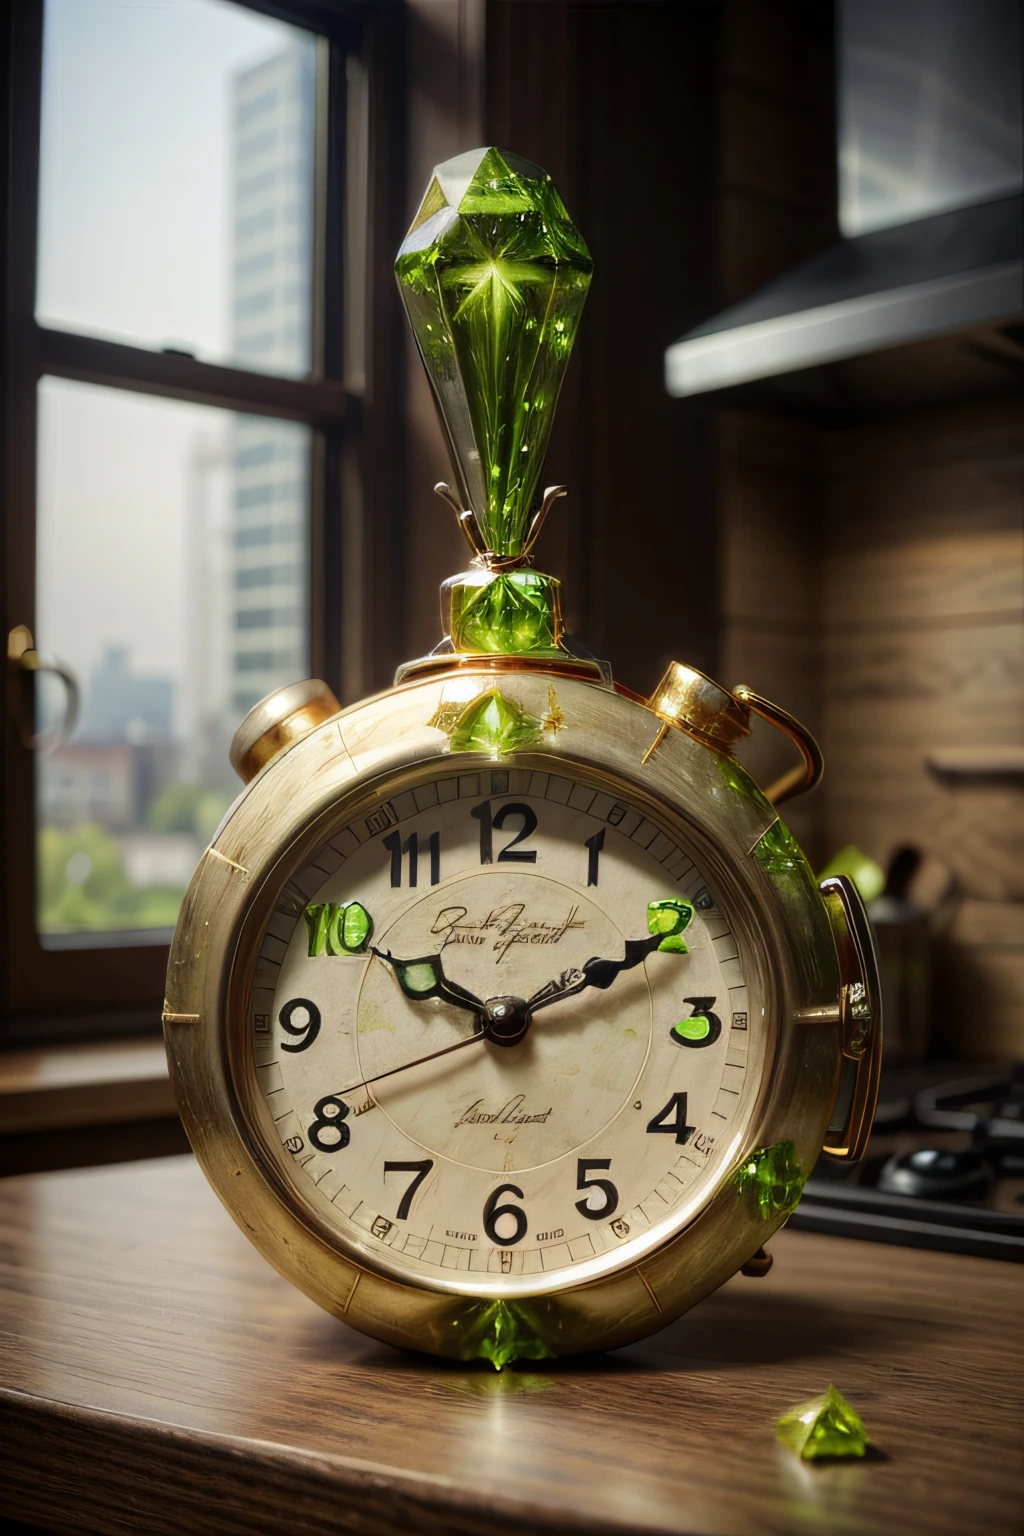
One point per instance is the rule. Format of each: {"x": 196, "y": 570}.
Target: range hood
{"x": 956, "y": 276}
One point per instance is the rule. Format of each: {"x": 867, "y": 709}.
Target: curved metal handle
{"x": 809, "y": 773}
{"x": 23, "y": 657}
{"x": 860, "y": 1017}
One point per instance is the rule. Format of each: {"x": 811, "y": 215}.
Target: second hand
{"x": 445, "y": 1051}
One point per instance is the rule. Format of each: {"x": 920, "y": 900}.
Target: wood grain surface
{"x": 156, "y": 1376}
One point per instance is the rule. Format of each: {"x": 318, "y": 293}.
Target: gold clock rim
{"x": 205, "y": 1061}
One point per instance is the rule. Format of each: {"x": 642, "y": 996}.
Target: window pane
{"x": 172, "y": 580}
{"x": 176, "y": 179}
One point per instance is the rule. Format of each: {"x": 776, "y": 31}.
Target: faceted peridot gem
{"x": 495, "y": 725}
{"x": 824, "y": 1426}
{"x": 494, "y": 275}
{"x": 772, "y": 1178}
{"x": 670, "y": 917}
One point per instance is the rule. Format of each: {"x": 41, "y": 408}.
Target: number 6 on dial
{"x": 493, "y": 1213}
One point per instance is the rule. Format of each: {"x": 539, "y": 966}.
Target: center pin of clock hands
{"x": 504, "y": 1020}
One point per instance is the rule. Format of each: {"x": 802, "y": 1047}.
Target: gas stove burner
{"x": 990, "y": 1107}
{"x": 930, "y": 1173}
{"x": 947, "y": 1168}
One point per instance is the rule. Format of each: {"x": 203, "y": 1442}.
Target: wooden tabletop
{"x": 157, "y": 1377}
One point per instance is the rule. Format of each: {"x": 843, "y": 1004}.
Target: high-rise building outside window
{"x": 273, "y": 193}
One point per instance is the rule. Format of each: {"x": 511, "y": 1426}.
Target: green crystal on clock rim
{"x": 772, "y": 1178}
{"x": 493, "y": 275}
{"x": 495, "y": 725}
{"x": 825, "y": 1426}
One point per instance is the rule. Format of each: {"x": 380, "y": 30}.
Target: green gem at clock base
{"x": 502, "y": 1332}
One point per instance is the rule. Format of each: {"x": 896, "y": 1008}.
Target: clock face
{"x": 502, "y": 1031}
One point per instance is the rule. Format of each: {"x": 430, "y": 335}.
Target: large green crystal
{"x": 825, "y": 1426}
{"x": 493, "y": 275}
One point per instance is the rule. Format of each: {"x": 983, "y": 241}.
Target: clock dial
{"x": 502, "y": 1030}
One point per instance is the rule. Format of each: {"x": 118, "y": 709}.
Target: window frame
{"x": 348, "y": 402}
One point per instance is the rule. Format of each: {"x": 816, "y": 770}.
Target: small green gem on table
{"x": 825, "y": 1426}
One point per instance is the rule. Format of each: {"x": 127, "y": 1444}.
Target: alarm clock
{"x": 503, "y": 1012}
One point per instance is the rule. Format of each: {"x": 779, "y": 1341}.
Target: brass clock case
{"x": 362, "y": 756}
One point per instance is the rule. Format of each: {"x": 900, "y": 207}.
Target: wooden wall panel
{"x": 923, "y": 636}
{"x": 923, "y": 648}
{"x": 769, "y": 492}
{"x": 981, "y": 982}
{"x": 776, "y": 194}
{"x": 776, "y": 206}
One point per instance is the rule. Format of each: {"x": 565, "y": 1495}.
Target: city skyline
{"x": 117, "y": 471}
{"x": 172, "y": 538}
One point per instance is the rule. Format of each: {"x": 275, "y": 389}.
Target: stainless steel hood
{"x": 954, "y": 275}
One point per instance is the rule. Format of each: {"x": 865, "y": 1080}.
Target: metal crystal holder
{"x": 493, "y": 275}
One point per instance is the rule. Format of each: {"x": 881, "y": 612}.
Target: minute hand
{"x": 595, "y": 973}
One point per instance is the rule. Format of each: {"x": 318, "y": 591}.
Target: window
{"x": 188, "y": 441}
{"x": 176, "y": 179}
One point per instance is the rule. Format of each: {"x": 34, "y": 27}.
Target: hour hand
{"x": 425, "y": 978}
